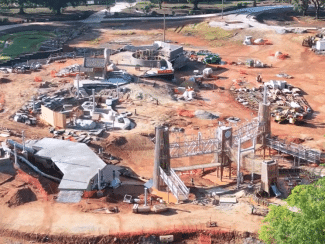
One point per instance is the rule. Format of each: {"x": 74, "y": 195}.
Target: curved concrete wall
{"x": 145, "y": 63}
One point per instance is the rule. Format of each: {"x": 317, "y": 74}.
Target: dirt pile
{"x": 185, "y": 113}
{"x": 179, "y": 122}
{"x": 119, "y": 141}
{"x": 21, "y": 196}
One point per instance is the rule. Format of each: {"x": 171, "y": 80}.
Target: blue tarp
{"x": 275, "y": 190}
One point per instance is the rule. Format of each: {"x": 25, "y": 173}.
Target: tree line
{"x": 303, "y": 5}
{"x": 55, "y": 5}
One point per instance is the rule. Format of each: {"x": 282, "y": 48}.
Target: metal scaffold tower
{"x": 222, "y": 145}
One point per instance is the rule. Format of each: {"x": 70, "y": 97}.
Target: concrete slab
{"x": 69, "y": 196}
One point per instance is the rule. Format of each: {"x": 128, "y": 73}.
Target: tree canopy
{"x": 301, "y": 6}
{"x": 58, "y": 5}
{"x": 305, "y": 225}
{"x": 20, "y": 3}
{"x": 195, "y": 3}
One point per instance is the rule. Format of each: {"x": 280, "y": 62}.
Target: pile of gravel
{"x": 201, "y": 114}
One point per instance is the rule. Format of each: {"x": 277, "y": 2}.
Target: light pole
{"x": 164, "y": 26}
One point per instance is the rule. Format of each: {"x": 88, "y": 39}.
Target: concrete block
{"x": 166, "y": 238}
{"x": 228, "y": 200}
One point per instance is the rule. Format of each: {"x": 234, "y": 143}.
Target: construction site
{"x": 158, "y": 136}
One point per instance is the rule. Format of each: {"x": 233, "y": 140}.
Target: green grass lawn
{"x": 203, "y": 30}
{"x": 23, "y": 42}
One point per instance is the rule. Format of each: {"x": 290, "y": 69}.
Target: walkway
{"x": 99, "y": 16}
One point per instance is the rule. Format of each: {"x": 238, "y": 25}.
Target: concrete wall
{"x": 107, "y": 177}
{"x": 170, "y": 50}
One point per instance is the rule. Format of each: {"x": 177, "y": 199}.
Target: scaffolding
{"x": 194, "y": 147}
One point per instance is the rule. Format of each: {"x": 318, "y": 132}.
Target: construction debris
{"x": 201, "y": 114}
{"x": 69, "y": 71}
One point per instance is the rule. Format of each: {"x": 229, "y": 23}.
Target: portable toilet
{"x": 320, "y": 45}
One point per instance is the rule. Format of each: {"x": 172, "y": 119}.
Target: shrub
{"x": 173, "y": 13}
{"x": 239, "y": 5}
{"x": 4, "y": 20}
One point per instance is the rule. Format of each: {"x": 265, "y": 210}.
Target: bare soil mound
{"x": 21, "y": 196}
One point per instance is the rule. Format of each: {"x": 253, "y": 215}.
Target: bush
{"x": 116, "y": 14}
{"x": 4, "y": 20}
{"x": 173, "y": 13}
{"x": 245, "y": 4}
{"x": 239, "y": 5}
{"x": 183, "y": 7}
{"x": 153, "y": 13}
{"x": 191, "y": 12}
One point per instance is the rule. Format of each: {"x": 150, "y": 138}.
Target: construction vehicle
{"x": 281, "y": 117}
{"x": 309, "y": 41}
{"x": 212, "y": 59}
{"x": 290, "y": 116}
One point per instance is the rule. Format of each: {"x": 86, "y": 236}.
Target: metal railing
{"x": 295, "y": 150}
{"x": 175, "y": 184}
{"x": 194, "y": 147}
{"x": 246, "y": 132}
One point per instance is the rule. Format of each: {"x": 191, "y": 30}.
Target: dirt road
{"x": 39, "y": 217}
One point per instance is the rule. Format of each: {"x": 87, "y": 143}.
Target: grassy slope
{"x": 23, "y": 42}
{"x": 205, "y": 31}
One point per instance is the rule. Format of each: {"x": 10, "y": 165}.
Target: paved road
{"x": 245, "y": 12}
{"x": 99, "y": 16}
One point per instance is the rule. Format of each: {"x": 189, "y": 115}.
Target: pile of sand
{"x": 21, "y": 196}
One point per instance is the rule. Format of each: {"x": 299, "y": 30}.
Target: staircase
{"x": 175, "y": 184}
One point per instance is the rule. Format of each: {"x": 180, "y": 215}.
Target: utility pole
{"x": 165, "y": 27}
{"x": 93, "y": 90}
{"x": 222, "y": 11}
{"x": 238, "y": 163}
{"x": 78, "y": 77}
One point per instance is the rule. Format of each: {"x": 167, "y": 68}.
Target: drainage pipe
{"x": 21, "y": 147}
{"x": 35, "y": 168}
